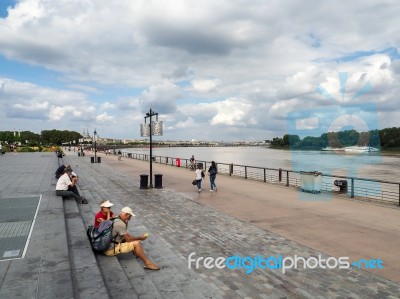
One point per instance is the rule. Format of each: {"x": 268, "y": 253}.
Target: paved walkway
{"x": 180, "y": 221}
{"x": 340, "y": 227}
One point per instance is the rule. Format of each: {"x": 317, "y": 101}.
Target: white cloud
{"x": 161, "y": 97}
{"x": 107, "y": 105}
{"x": 233, "y": 112}
{"x": 307, "y": 123}
{"x": 218, "y": 63}
{"x": 104, "y": 117}
{"x": 35, "y": 106}
{"x": 205, "y": 86}
{"x": 59, "y": 113}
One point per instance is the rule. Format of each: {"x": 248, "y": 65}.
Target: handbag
{"x": 194, "y": 182}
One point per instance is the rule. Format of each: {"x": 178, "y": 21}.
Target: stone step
{"x": 47, "y": 257}
{"x": 87, "y": 279}
{"x": 174, "y": 280}
{"x": 115, "y": 280}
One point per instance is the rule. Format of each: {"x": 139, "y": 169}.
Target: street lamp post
{"x": 150, "y": 115}
{"x": 95, "y": 149}
{"x": 154, "y": 128}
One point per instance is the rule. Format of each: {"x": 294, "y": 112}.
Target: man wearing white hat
{"x": 125, "y": 242}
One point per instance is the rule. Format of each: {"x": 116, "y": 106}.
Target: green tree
{"x": 388, "y": 134}
{"x": 290, "y": 140}
{"x": 276, "y": 141}
{"x": 349, "y": 137}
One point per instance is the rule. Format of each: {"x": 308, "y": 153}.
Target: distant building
{"x": 86, "y": 136}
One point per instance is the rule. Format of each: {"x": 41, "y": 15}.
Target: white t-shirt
{"x": 63, "y": 182}
{"x": 198, "y": 174}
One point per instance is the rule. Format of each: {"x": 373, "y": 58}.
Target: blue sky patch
{"x": 4, "y": 4}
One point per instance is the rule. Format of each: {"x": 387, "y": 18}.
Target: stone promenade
{"x": 58, "y": 261}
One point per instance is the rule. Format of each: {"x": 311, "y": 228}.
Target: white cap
{"x": 106, "y": 204}
{"x": 127, "y": 210}
{"x": 73, "y": 174}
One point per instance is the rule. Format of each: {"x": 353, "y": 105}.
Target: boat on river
{"x": 361, "y": 149}
{"x": 352, "y": 149}
{"x": 332, "y": 149}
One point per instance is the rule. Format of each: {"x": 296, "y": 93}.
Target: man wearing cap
{"x": 66, "y": 186}
{"x": 105, "y": 212}
{"x": 125, "y": 242}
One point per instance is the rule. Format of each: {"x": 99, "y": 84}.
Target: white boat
{"x": 334, "y": 149}
{"x": 361, "y": 149}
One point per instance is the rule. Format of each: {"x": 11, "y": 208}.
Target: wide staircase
{"x": 123, "y": 276}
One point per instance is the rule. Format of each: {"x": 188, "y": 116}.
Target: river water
{"x": 363, "y": 165}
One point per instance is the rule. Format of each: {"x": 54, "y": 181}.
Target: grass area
{"x": 32, "y": 149}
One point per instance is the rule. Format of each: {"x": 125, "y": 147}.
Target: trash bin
{"x": 91, "y": 159}
{"x": 98, "y": 159}
{"x": 311, "y": 181}
{"x": 158, "y": 181}
{"x": 178, "y": 162}
{"x": 144, "y": 181}
{"x": 342, "y": 184}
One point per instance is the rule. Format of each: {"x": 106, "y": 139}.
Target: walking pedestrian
{"x": 199, "y": 177}
{"x": 213, "y": 174}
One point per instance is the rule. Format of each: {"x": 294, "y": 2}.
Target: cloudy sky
{"x": 212, "y": 69}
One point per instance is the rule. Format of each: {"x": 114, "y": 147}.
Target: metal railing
{"x": 374, "y": 190}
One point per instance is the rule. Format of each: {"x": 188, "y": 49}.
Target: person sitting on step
{"x": 66, "y": 186}
{"x": 105, "y": 213}
{"x": 125, "y": 242}
{"x": 60, "y": 170}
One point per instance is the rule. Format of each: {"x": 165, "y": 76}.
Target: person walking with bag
{"x": 199, "y": 177}
{"x": 213, "y": 174}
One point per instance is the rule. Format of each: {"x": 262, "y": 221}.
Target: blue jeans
{"x": 212, "y": 181}
{"x": 199, "y": 184}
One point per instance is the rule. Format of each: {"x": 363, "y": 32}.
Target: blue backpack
{"x": 100, "y": 238}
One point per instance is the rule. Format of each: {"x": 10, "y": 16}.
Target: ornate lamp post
{"x": 153, "y": 128}
{"x": 95, "y": 149}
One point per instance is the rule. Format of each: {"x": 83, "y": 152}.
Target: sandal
{"x": 151, "y": 267}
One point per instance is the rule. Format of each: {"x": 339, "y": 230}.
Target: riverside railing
{"x": 374, "y": 190}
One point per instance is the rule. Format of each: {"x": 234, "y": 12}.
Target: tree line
{"x": 45, "y": 138}
{"x": 388, "y": 138}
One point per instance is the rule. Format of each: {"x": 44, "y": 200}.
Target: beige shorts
{"x": 121, "y": 248}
